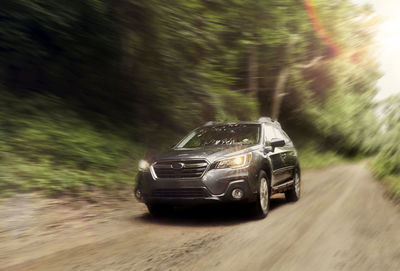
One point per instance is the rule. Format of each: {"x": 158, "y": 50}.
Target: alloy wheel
{"x": 264, "y": 194}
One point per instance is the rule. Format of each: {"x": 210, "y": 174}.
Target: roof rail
{"x": 268, "y": 119}
{"x": 265, "y": 119}
{"x": 209, "y": 123}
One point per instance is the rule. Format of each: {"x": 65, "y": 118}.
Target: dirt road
{"x": 342, "y": 222}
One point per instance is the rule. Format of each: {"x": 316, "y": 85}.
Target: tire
{"x": 294, "y": 193}
{"x": 158, "y": 210}
{"x": 260, "y": 207}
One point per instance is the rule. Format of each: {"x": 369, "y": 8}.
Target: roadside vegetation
{"x": 386, "y": 165}
{"x": 88, "y": 87}
{"x": 314, "y": 157}
{"x": 47, "y": 146}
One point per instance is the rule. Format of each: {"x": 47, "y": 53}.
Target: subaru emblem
{"x": 177, "y": 165}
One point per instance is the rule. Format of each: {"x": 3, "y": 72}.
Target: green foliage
{"x": 393, "y": 184}
{"x": 88, "y": 84}
{"x": 49, "y": 147}
{"x": 386, "y": 165}
{"x": 56, "y": 41}
{"x": 332, "y": 108}
{"x": 388, "y": 158}
{"x": 311, "y": 156}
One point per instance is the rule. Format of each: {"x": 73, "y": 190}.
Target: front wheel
{"x": 294, "y": 193}
{"x": 260, "y": 207}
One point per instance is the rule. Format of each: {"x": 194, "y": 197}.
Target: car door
{"x": 275, "y": 156}
{"x": 291, "y": 157}
{"x": 286, "y": 154}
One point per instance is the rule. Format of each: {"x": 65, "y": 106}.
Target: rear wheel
{"x": 260, "y": 207}
{"x": 295, "y": 192}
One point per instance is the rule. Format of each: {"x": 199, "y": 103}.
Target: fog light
{"x": 237, "y": 193}
{"x": 138, "y": 195}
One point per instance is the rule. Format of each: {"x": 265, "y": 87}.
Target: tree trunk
{"x": 278, "y": 94}
{"x": 280, "y": 85}
{"x": 253, "y": 70}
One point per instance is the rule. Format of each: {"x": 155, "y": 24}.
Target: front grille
{"x": 180, "y": 169}
{"x": 180, "y": 193}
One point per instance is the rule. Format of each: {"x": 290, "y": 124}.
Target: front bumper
{"x": 214, "y": 186}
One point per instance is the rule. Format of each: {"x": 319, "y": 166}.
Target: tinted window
{"x": 222, "y": 135}
{"x": 269, "y": 133}
{"x": 278, "y": 134}
{"x": 281, "y": 135}
{"x": 286, "y": 136}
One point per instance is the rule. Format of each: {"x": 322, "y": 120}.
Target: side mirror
{"x": 276, "y": 142}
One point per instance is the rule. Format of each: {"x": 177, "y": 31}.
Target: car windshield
{"x": 222, "y": 135}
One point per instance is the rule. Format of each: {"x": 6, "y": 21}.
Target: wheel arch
{"x": 298, "y": 169}
{"x": 267, "y": 168}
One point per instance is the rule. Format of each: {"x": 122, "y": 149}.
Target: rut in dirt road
{"x": 342, "y": 222}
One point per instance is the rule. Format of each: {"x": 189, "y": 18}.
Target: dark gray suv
{"x": 242, "y": 162}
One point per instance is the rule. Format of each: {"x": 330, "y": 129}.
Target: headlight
{"x": 144, "y": 165}
{"x": 235, "y": 162}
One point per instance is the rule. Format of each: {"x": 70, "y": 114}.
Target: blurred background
{"x": 88, "y": 87}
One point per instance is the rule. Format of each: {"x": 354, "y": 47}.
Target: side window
{"x": 278, "y": 134}
{"x": 281, "y": 135}
{"x": 269, "y": 133}
{"x": 286, "y": 136}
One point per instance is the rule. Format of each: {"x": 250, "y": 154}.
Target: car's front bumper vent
{"x": 187, "y": 169}
{"x": 179, "y": 193}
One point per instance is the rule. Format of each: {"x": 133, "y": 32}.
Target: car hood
{"x": 211, "y": 153}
